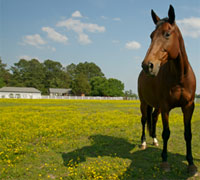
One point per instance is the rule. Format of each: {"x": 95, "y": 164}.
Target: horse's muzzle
{"x": 151, "y": 68}
{"x": 147, "y": 67}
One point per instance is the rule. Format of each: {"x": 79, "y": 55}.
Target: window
{"x": 11, "y": 95}
{"x": 18, "y": 96}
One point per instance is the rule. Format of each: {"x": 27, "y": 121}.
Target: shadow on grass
{"x": 144, "y": 164}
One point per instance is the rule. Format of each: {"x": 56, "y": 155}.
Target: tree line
{"x": 83, "y": 78}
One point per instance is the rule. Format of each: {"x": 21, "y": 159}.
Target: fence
{"x": 82, "y": 97}
{"x": 197, "y": 100}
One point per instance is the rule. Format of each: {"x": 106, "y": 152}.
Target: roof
{"x": 19, "y": 89}
{"x": 59, "y": 90}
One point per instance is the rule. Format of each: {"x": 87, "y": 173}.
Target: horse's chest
{"x": 179, "y": 96}
{"x": 175, "y": 92}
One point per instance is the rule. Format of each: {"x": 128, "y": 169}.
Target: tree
{"x": 81, "y": 85}
{"x": 99, "y": 86}
{"x": 35, "y": 75}
{"x": 106, "y": 87}
{"x": 2, "y": 83}
{"x": 4, "y": 74}
{"x": 71, "y": 70}
{"x": 81, "y": 73}
{"x": 55, "y": 76}
{"x": 90, "y": 70}
{"x": 84, "y": 78}
{"x": 130, "y": 94}
{"x": 115, "y": 87}
{"x": 52, "y": 72}
{"x": 28, "y": 74}
{"x": 197, "y": 95}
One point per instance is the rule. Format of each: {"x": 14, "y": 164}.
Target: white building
{"x": 59, "y": 92}
{"x": 20, "y": 92}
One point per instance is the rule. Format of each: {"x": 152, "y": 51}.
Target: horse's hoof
{"x": 155, "y": 144}
{"x": 165, "y": 166}
{"x": 192, "y": 170}
{"x": 143, "y": 147}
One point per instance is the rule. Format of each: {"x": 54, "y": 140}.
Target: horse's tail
{"x": 149, "y": 120}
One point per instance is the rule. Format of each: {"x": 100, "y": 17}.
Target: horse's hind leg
{"x": 154, "y": 121}
{"x": 188, "y": 111}
{"x": 146, "y": 113}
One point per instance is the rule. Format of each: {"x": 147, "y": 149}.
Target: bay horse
{"x": 165, "y": 82}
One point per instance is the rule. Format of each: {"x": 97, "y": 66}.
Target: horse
{"x": 166, "y": 81}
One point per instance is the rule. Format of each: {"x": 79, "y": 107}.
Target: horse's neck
{"x": 180, "y": 65}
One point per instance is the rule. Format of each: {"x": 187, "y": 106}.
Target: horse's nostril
{"x": 145, "y": 67}
{"x": 150, "y": 65}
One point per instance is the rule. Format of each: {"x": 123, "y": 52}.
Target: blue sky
{"x": 114, "y": 34}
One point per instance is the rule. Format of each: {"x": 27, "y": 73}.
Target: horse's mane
{"x": 162, "y": 21}
{"x": 182, "y": 54}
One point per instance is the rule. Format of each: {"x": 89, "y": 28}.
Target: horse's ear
{"x": 171, "y": 14}
{"x": 154, "y": 17}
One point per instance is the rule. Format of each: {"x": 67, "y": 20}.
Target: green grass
{"x": 80, "y": 139}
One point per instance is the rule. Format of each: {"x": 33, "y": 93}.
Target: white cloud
{"x": 190, "y": 26}
{"x": 80, "y": 28}
{"x": 84, "y": 39}
{"x": 77, "y": 14}
{"x": 71, "y": 24}
{"x": 33, "y": 40}
{"x": 52, "y": 34}
{"x": 94, "y": 28}
{"x": 133, "y": 45}
{"x": 26, "y": 57}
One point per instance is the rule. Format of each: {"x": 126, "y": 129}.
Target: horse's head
{"x": 164, "y": 43}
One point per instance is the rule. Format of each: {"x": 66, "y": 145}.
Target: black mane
{"x": 160, "y": 22}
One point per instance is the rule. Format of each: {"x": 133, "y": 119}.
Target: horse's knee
{"x": 188, "y": 135}
{"x": 143, "y": 120}
{"x": 166, "y": 134}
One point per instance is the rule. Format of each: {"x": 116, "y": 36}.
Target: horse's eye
{"x": 166, "y": 35}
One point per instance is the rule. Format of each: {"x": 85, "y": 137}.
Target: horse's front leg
{"x": 165, "y": 135}
{"x": 154, "y": 121}
{"x": 146, "y": 111}
{"x": 187, "y": 112}
{"x": 143, "y": 138}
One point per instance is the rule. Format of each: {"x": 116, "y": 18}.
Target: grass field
{"x": 75, "y": 140}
